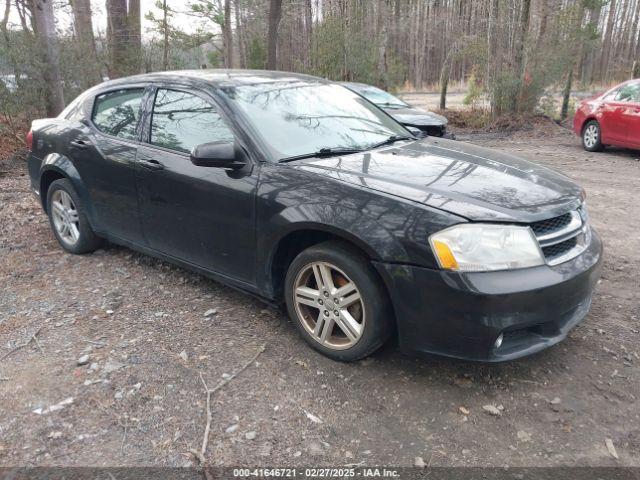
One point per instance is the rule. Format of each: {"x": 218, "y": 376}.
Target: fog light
{"x": 499, "y": 341}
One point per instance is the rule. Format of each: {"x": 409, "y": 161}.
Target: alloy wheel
{"x": 329, "y": 305}
{"x": 65, "y": 217}
{"x": 590, "y": 136}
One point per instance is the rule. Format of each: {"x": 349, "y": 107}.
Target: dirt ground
{"x": 140, "y": 399}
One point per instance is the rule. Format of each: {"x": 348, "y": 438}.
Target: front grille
{"x": 559, "y": 249}
{"x": 563, "y": 237}
{"x": 550, "y": 225}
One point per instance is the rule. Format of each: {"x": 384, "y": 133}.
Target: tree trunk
{"x": 135, "y": 36}
{"x": 228, "y": 35}
{"x": 519, "y": 61}
{"x": 566, "y": 95}
{"x": 45, "y": 30}
{"x": 384, "y": 44}
{"x": 444, "y": 79}
{"x": 633, "y": 32}
{"x": 117, "y": 37}
{"x": 308, "y": 24}
{"x": 83, "y": 27}
{"x": 275, "y": 12}
{"x": 606, "y": 42}
{"x": 165, "y": 33}
{"x": 493, "y": 57}
{"x": 240, "y": 29}
{"x": 577, "y": 54}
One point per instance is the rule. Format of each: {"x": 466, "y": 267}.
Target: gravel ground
{"x": 140, "y": 398}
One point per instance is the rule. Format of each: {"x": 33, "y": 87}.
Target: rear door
{"x": 103, "y": 149}
{"x": 201, "y": 215}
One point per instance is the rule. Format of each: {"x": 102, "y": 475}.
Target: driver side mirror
{"x": 416, "y": 132}
{"x": 219, "y": 154}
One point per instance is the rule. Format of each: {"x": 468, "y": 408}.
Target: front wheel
{"x": 591, "y": 137}
{"x": 337, "y": 301}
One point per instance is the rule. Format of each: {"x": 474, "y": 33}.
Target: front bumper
{"x": 462, "y": 314}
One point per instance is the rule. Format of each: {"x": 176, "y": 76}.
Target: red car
{"x": 612, "y": 118}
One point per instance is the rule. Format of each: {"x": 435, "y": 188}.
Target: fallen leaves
{"x": 492, "y": 410}
{"x": 611, "y": 448}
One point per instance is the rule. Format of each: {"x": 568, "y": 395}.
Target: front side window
{"x": 628, "y": 93}
{"x": 298, "y": 117}
{"x": 182, "y": 121}
{"x": 117, "y": 113}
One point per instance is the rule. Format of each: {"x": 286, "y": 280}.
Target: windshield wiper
{"x": 390, "y": 140}
{"x": 322, "y": 153}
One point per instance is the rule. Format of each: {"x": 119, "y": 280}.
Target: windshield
{"x": 380, "y": 97}
{"x": 297, "y": 118}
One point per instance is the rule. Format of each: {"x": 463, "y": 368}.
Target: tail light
{"x": 29, "y": 140}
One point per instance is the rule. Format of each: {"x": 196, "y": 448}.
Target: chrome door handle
{"x": 80, "y": 144}
{"x": 152, "y": 164}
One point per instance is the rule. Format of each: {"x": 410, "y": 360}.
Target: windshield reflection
{"x": 297, "y": 118}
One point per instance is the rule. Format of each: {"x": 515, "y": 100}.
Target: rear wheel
{"x": 68, "y": 219}
{"x": 337, "y": 302}
{"x": 591, "y": 137}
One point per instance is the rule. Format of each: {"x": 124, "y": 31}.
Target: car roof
{"x": 216, "y": 77}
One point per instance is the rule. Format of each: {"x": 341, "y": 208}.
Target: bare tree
{"x": 123, "y": 37}
{"x": 134, "y": 40}
{"x": 519, "y": 61}
{"x": 275, "y": 12}
{"x": 45, "y": 30}
{"x": 83, "y": 26}
{"x": 227, "y": 35}
{"x": 607, "y": 40}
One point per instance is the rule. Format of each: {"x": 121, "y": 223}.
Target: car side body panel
{"x": 619, "y": 120}
{"x": 633, "y": 118}
{"x": 237, "y": 226}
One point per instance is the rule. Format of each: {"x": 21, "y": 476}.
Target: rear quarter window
{"x": 117, "y": 113}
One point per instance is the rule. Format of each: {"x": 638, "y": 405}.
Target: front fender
{"x": 355, "y": 226}
{"x": 339, "y": 221}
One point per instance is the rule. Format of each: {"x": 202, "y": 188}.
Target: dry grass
{"x": 479, "y": 120}
{"x": 12, "y": 141}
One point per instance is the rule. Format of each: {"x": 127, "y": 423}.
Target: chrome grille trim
{"x": 569, "y": 231}
{"x": 577, "y": 227}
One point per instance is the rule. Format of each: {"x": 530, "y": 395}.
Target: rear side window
{"x": 117, "y": 113}
{"x": 182, "y": 121}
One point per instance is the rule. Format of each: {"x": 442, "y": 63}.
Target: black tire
{"x": 378, "y": 325}
{"x": 87, "y": 240}
{"x": 588, "y": 143}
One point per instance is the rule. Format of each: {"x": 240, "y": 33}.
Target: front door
{"x": 202, "y": 215}
{"x": 633, "y": 119}
{"x": 617, "y": 115}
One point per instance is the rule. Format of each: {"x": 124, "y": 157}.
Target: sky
{"x": 186, "y": 23}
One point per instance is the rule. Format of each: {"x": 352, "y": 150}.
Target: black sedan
{"x": 429, "y": 123}
{"x": 301, "y": 192}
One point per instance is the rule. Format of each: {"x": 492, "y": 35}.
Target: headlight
{"x": 485, "y": 247}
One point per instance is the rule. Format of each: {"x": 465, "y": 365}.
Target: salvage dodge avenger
{"x": 299, "y": 191}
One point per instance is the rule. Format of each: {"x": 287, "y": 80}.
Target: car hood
{"x": 463, "y": 179}
{"x": 416, "y": 116}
